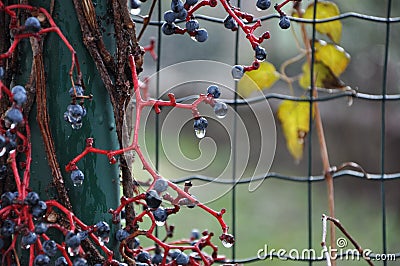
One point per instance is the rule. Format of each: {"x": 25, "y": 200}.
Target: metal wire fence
{"x": 383, "y": 98}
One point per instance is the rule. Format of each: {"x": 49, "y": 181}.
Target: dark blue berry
{"x": 191, "y": 2}
{"x": 78, "y": 90}
{"x": 135, "y": 4}
{"x": 80, "y": 262}
{"x": 8, "y": 228}
{"x": 157, "y": 259}
{"x": 230, "y": 23}
{"x": 32, "y": 24}
{"x": 200, "y": 123}
{"x": 176, "y": 6}
{"x": 7, "y": 199}
{"x": 50, "y": 247}
{"x": 284, "y": 22}
{"x": 28, "y": 239}
{"x": 74, "y": 115}
{"x": 192, "y": 25}
{"x": 237, "y": 72}
{"x": 10, "y": 141}
{"x": 182, "y": 14}
{"x": 182, "y": 259}
{"x": 77, "y": 177}
{"x": 214, "y": 91}
{"x": 220, "y": 109}
{"x": 136, "y": 242}
{"x": 1, "y": 243}
{"x": 18, "y": 89}
{"x": 32, "y": 198}
{"x": 121, "y": 235}
{"x": 123, "y": 214}
{"x": 72, "y": 240}
{"x": 3, "y": 168}
{"x": 170, "y": 16}
{"x": 160, "y": 185}
{"x": 39, "y": 209}
{"x": 160, "y": 214}
{"x": 103, "y": 229}
{"x": 61, "y": 261}
{"x": 261, "y": 54}
{"x": 201, "y": 35}
{"x": 40, "y": 228}
{"x": 13, "y": 116}
{"x": 143, "y": 256}
{"x": 168, "y": 28}
{"x": 195, "y": 234}
{"x": 152, "y": 199}
{"x": 1, "y": 72}
{"x": 42, "y": 260}
{"x": 174, "y": 253}
{"x": 19, "y": 94}
{"x": 263, "y": 4}
{"x": 83, "y": 235}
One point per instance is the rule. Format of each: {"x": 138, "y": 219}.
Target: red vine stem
{"x": 140, "y": 104}
{"x": 53, "y": 28}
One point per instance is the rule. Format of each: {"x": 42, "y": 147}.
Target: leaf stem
{"x": 322, "y": 141}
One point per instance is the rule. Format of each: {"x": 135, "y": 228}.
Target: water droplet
{"x": 3, "y": 151}
{"x": 78, "y": 183}
{"x": 200, "y": 133}
{"x": 73, "y": 251}
{"x": 135, "y": 11}
{"x": 259, "y": 9}
{"x": 76, "y": 125}
{"x": 25, "y": 246}
{"x": 220, "y": 109}
{"x": 349, "y": 101}
{"x": 160, "y": 223}
{"x": 237, "y": 72}
{"x": 112, "y": 160}
{"x": 193, "y": 38}
{"x": 226, "y": 243}
{"x": 103, "y": 240}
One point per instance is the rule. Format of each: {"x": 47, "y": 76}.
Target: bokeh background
{"x": 277, "y": 212}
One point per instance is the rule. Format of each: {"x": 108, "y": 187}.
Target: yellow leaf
{"x": 295, "y": 120}
{"x": 262, "y": 78}
{"x": 324, "y": 77}
{"x": 333, "y": 56}
{"x": 325, "y": 9}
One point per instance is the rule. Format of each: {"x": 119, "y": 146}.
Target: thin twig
{"x": 146, "y": 20}
{"x": 337, "y": 223}
{"x": 323, "y": 242}
{"x": 321, "y": 138}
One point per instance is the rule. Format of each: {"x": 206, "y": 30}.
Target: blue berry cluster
{"x": 9, "y": 227}
{"x": 36, "y": 207}
{"x": 179, "y": 11}
{"x": 220, "y": 109}
{"x": 176, "y": 256}
{"x": 12, "y": 119}
{"x": 75, "y": 111}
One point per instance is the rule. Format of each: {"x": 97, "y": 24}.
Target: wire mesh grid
{"x": 383, "y": 98}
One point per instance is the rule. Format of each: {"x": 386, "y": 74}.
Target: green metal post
{"x": 100, "y": 189}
